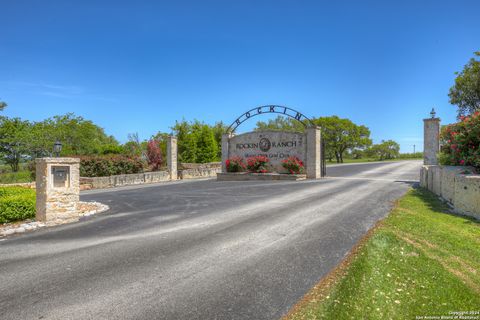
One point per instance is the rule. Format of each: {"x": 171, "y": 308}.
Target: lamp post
{"x": 433, "y": 113}
{"x": 57, "y": 148}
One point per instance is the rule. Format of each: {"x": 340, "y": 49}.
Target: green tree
{"x": 41, "y": 138}
{"x": 186, "y": 142}
{"x": 341, "y": 135}
{"x": 207, "y": 147}
{"x": 385, "y": 150}
{"x": 14, "y": 141}
{"x": 134, "y": 147}
{"x": 465, "y": 93}
{"x": 77, "y": 135}
{"x": 197, "y": 141}
{"x": 280, "y": 123}
{"x": 112, "y": 149}
{"x": 219, "y": 128}
{"x": 3, "y": 105}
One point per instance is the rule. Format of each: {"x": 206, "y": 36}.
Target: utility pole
{"x": 413, "y": 148}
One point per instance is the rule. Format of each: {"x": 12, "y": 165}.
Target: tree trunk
{"x": 14, "y": 165}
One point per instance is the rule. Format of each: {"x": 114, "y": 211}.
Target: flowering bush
{"x": 257, "y": 164}
{"x": 460, "y": 142}
{"x": 293, "y": 165}
{"x": 235, "y": 164}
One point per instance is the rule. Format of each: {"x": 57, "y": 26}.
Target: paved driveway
{"x": 197, "y": 250}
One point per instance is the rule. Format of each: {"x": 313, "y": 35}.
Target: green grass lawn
{"x": 7, "y": 176}
{"x": 16, "y": 177}
{"x": 419, "y": 261}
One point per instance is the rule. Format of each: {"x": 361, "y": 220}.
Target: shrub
{"x": 293, "y": 165}
{"x": 460, "y": 142}
{"x": 102, "y": 166}
{"x": 235, "y": 164}
{"x": 257, "y": 164}
{"x": 16, "y": 203}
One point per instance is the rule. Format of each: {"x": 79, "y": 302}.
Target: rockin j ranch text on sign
{"x": 276, "y": 146}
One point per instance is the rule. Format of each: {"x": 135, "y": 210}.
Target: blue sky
{"x": 137, "y": 66}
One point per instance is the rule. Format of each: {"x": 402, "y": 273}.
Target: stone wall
{"x": 209, "y": 165}
{"x": 451, "y": 183}
{"x": 190, "y": 171}
{"x": 201, "y": 172}
{"x": 30, "y": 185}
{"x": 123, "y": 180}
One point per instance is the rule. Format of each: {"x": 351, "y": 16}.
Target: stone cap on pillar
{"x": 58, "y": 160}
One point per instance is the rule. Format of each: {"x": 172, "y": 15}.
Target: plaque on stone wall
{"x": 61, "y": 176}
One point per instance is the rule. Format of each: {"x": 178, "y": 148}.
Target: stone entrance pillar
{"x": 225, "y": 138}
{"x": 58, "y": 189}
{"x": 431, "y": 139}
{"x": 172, "y": 157}
{"x": 313, "y": 153}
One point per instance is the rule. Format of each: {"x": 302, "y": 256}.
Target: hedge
{"x": 103, "y": 166}
{"x": 16, "y": 203}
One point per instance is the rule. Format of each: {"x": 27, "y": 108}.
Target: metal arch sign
{"x": 289, "y": 112}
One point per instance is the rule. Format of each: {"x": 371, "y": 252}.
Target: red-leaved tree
{"x": 154, "y": 155}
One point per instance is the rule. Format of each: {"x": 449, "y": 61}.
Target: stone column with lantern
{"x": 431, "y": 139}
{"x": 57, "y": 188}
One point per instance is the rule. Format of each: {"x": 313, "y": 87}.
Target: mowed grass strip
{"x": 419, "y": 261}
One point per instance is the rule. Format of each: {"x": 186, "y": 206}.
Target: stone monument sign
{"x": 275, "y": 145}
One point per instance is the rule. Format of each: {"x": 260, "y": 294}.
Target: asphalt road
{"x": 198, "y": 249}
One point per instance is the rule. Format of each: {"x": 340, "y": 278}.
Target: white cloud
{"x": 58, "y": 91}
